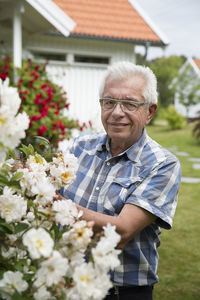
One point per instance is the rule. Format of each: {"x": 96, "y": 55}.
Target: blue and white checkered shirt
{"x": 146, "y": 175}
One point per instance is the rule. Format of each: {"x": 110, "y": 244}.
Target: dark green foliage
{"x": 166, "y": 69}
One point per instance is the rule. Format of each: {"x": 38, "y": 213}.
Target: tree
{"x": 187, "y": 86}
{"x": 166, "y": 69}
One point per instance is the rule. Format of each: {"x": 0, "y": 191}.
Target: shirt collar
{"x": 133, "y": 153}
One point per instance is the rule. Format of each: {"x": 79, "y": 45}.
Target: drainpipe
{"x": 17, "y": 35}
{"x": 147, "y": 45}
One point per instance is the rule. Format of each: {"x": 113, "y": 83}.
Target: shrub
{"x": 174, "y": 119}
{"x": 6, "y": 69}
{"x": 44, "y": 102}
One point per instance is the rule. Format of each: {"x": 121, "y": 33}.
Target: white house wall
{"x": 80, "y": 80}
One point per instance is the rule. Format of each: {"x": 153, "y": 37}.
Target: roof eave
{"x": 54, "y": 15}
{"x": 149, "y": 21}
{"x": 127, "y": 40}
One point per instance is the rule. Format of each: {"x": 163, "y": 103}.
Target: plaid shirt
{"x": 146, "y": 175}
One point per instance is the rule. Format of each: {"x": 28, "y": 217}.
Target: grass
{"x": 179, "y": 265}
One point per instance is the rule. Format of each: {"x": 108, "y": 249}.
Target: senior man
{"x": 127, "y": 179}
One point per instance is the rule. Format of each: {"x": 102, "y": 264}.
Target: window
{"x": 91, "y": 59}
{"x": 50, "y": 56}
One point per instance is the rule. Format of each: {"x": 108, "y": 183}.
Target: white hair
{"x": 124, "y": 69}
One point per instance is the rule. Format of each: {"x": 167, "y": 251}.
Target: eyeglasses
{"x": 125, "y": 105}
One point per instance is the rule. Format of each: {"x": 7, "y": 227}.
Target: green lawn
{"x": 179, "y": 265}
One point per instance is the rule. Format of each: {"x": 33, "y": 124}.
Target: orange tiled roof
{"x": 197, "y": 62}
{"x": 113, "y": 19}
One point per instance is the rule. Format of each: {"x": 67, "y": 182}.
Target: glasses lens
{"x": 108, "y": 104}
{"x": 129, "y": 106}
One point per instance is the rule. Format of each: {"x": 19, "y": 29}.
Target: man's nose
{"x": 118, "y": 109}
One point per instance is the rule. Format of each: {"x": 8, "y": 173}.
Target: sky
{"x": 179, "y": 20}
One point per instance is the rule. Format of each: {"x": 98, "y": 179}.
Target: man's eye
{"x": 130, "y": 105}
{"x": 109, "y": 102}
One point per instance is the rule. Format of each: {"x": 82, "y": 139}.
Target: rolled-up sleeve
{"x": 157, "y": 193}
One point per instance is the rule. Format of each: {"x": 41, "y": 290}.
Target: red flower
{"x": 35, "y": 118}
{"x": 67, "y": 105}
{"x": 61, "y": 125}
{"x": 37, "y": 99}
{"x": 42, "y": 130}
{"x": 43, "y": 86}
{"x": 3, "y": 75}
{"x": 37, "y": 67}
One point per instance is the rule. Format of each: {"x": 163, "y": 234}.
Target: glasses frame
{"x": 138, "y": 104}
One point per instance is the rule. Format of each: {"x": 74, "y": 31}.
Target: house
{"x": 191, "y": 67}
{"x": 79, "y": 38}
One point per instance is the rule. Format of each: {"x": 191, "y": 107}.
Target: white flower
{"x": 36, "y": 183}
{"x": 93, "y": 282}
{"x": 37, "y": 163}
{"x": 105, "y": 257}
{"x": 76, "y": 258}
{"x": 104, "y": 254}
{"x": 39, "y": 242}
{"x": 8, "y": 253}
{"x": 12, "y": 207}
{"x": 79, "y": 236}
{"x": 12, "y": 281}
{"x": 63, "y": 169}
{"x": 42, "y": 294}
{"x": 30, "y": 179}
{"x": 65, "y": 145}
{"x": 66, "y": 212}
{"x": 45, "y": 192}
{"x": 52, "y": 270}
{"x": 9, "y": 97}
{"x": 12, "y": 126}
{"x": 111, "y": 234}
{"x": 16, "y": 132}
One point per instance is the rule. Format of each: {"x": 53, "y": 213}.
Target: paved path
{"x": 190, "y": 179}
{"x": 195, "y": 165}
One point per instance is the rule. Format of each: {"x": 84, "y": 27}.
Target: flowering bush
{"x": 6, "y": 68}
{"x": 44, "y": 242}
{"x": 44, "y": 102}
{"x": 12, "y": 123}
{"x": 47, "y": 251}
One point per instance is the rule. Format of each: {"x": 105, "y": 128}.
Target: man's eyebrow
{"x": 130, "y": 98}
{"x": 124, "y": 98}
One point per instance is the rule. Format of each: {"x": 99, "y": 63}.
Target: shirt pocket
{"x": 118, "y": 192}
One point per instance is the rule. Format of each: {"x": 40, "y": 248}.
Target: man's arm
{"x": 131, "y": 220}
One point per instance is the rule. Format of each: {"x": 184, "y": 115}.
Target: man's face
{"x": 126, "y": 127}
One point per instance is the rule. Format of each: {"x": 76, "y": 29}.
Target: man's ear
{"x": 151, "y": 112}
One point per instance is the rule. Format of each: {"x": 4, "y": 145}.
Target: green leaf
{"x": 3, "y": 180}
{"x": 21, "y": 227}
{"x": 11, "y": 153}
{"x": 25, "y": 149}
{"x": 31, "y": 149}
{"x": 44, "y": 141}
{"x": 17, "y": 296}
{"x": 4, "y": 172}
{"x": 17, "y": 176}
{"x": 6, "y": 228}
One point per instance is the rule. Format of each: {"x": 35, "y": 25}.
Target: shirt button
{"x": 97, "y": 188}
{"x": 108, "y": 163}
